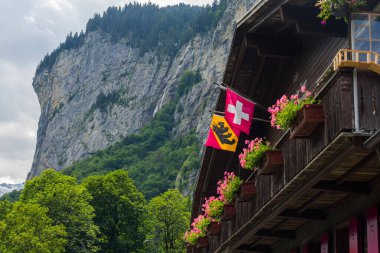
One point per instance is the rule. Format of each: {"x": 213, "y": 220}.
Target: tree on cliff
{"x": 68, "y": 205}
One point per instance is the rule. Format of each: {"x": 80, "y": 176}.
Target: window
{"x": 365, "y": 32}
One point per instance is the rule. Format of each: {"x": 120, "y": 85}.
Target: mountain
{"x": 5, "y": 188}
{"x": 104, "y": 93}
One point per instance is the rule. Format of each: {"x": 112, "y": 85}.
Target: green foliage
{"x": 198, "y": 229}
{"x": 120, "y": 210}
{"x": 27, "y": 228}
{"x": 68, "y": 205}
{"x": 71, "y": 42}
{"x": 151, "y": 157}
{"x": 202, "y": 224}
{"x": 169, "y": 215}
{"x": 147, "y": 27}
{"x": 228, "y": 187}
{"x": 12, "y": 196}
{"x": 5, "y": 208}
{"x": 213, "y": 208}
{"x": 191, "y": 238}
{"x": 158, "y": 171}
{"x": 253, "y": 156}
{"x": 103, "y": 102}
{"x": 287, "y": 116}
{"x": 329, "y": 7}
{"x": 187, "y": 81}
{"x": 232, "y": 189}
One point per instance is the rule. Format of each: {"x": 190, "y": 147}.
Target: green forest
{"x": 147, "y": 27}
{"x": 55, "y": 213}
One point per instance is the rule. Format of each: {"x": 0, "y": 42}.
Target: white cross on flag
{"x": 238, "y": 111}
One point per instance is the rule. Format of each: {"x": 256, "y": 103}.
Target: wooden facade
{"x": 325, "y": 197}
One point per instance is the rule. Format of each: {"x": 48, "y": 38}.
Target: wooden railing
{"x": 357, "y": 59}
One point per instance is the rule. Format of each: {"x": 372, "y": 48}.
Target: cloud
{"x": 34, "y": 28}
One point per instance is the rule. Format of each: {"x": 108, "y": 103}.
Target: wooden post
{"x": 354, "y": 234}
{"x": 325, "y": 243}
{"x": 341, "y": 240}
{"x": 305, "y": 249}
{"x": 373, "y": 230}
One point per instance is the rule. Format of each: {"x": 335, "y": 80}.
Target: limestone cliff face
{"x": 75, "y": 121}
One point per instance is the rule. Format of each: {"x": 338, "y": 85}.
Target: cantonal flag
{"x": 239, "y": 111}
{"x": 221, "y": 135}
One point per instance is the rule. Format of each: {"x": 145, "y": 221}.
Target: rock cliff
{"x": 98, "y": 93}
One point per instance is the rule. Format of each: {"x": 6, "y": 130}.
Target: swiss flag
{"x": 238, "y": 111}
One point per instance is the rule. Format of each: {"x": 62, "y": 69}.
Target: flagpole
{"x": 229, "y": 87}
{"x": 253, "y": 118}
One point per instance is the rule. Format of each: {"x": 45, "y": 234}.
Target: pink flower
{"x": 303, "y": 88}
{"x": 323, "y": 22}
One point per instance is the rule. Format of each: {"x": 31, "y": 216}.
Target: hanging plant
{"x": 191, "y": 237}
{"x": 337, "y": 8}
{"x": 213, "y": 208}
{"x": 228, "y": 187}
{"x": 284, "y": 112}
{"x": 198, "y": 229}
{"x": 253, "y": 155}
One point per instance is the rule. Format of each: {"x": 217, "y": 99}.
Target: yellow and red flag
{"x": 221, "y": 135}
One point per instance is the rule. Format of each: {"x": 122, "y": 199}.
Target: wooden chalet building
{"x": 326, "y": 195}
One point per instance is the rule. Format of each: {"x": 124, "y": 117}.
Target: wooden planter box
{"x": 202, "y": 242}
{"x": 214, "y": 228}
{"x": 191, "y": 249}
{"x": 273, "y": 159}
{"x": 247, "y": 191}
{"x": 308, "y": 119}
{"x": 229, "y": 212}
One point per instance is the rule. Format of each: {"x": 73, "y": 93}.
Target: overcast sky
{"x": 29, "y": 30}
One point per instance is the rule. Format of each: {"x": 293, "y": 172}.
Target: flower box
{"x": 192, "y": 249}
{"x": 247, "y": 191}
{"x": 308, "y": 119}
{"x": 202, "y": 242}
{"x": 229, "y": 212}
{"x": 272, "y": 160}
{"x": 214, "y": 228}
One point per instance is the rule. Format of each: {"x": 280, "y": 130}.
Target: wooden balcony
{"x": 321, "y": 173}
{"x": 357, "y": 59}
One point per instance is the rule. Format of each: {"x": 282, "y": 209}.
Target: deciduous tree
{"x": 170, "y": 216}
{"x": 68, "y": 205}
{"x": 120, "y": 211}
{"x": 28, "y": 229}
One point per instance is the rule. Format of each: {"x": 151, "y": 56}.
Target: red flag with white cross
{"x": 238, "y": 111}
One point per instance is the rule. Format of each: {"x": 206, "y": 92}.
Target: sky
{"x": 29, "y": 30}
